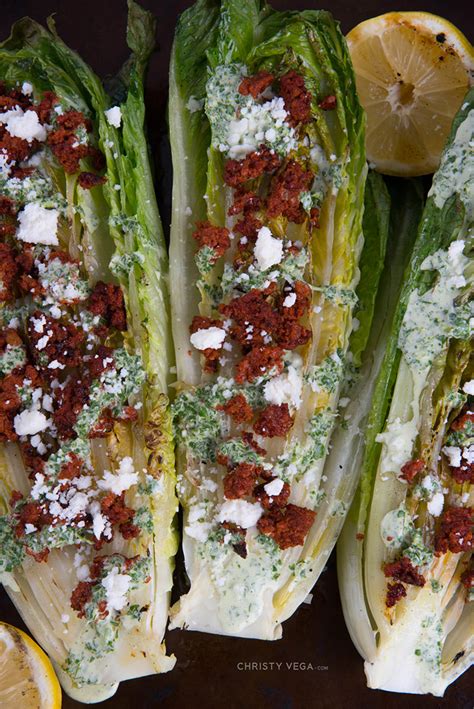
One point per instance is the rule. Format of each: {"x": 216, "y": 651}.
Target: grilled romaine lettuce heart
{"x": 405, "y": 554}
{"x": 267, "y": 139}
{"x": 86, "y": 456}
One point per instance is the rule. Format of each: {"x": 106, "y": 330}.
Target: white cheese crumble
{"x": 285, "y": 388}
{"x": 436, "y": 504}
{"x": 120, "y": 481}
{"x": 453, "y": 453}
{"x": 38, "y": 225}
{"x": 23, "y": 124}
{"x": 290, "y": 300}
{"x": 27, "y": 88}
{"x": 268, "y": 250}
{"x": 116, "y": 586}
{"x": 100, "y": 523}
{"x": 274, "y": 487}
{"x": 114, "y": 116}
{"x": 29, "y": 422}
{"x": 242, "y": 513}
{"x": 197, "y": 527}
{"x": 208, "y": 338}
{"x": 468, "y": 454}
{"x": 468, "y": 387}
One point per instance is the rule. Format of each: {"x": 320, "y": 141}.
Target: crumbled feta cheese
{"x": 453, "y": 453}
{"x": 100, "y": 523}
{"x": 268, "y": 250}
{"x": 120, "y": 481}
{"x": 116, "y": 586}
{"x": 23, "y": 124}
{"x": 468, "y": 454}
{"x": 285, "y": 388}
{"x": 436, "y": 504}
{"x": 38, "y": 323}
{"x": 468, "y": 387}
{"x": 29, "y": 422}
{"x": 290, "y": 300}
{"x": 5, "y": 165}
{"x": 274, "y": 487}
{"x": 39, "y": 488}
{"x": 197, "y": 527}
{"x": 38, "y": 225}
{"x": 42, "y": 342}
{"x": 242, "y": 513}
{"x": 208, "y": 338}
{"x": 27, "y": 88}
{"x": 29, "y": 528}
{"x": 114, "y": 116}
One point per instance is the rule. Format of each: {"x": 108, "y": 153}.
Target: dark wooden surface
{"x": 212, "y": 671}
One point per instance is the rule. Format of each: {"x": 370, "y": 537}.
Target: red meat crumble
{"x": 217, "y": 238}
{"x": 236, "y": 172}
{"x": 328, "y": 103}
{"x": 249, "y": 227}
{"x": 411, "y": 469}
{"x": 256, "y": 84}
{"x": 403, "y": 570}
{"x": 251, "y": 314}
{"x": 244, "y": 202}
{"x": 87, "y": 180}
{"x": 64, "y": 340}
{"x": 257, "y": 362}
{"x": 296, "y": 97}
{"x": 288, "y": 526}
{"x": 463, "y": 474}
{"x": 114, "y": 508}
{"x": 8, "y": 272}
{"x": 238, "y": 408}
{"x": 302, "y": 303}
{"x": 44, "y": 108}
{"x": 455, "y": 533}
{"x": 460, "y": 423}
{"x": 71, "y": 400}
{"x": 80, "y": 596}
{"x": 285, "y": 192}
{"x": 240, "y": 481}
{"x": 102, "y": 360}
{"x": 467, "y": 578}
{"x": 107, "y": 301}
{"x": 395, "y": 591}
{"x": 72, "y": 468}
{"x": 275, "y": 420}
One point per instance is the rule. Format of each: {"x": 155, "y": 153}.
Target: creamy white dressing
{"x": 456, "y": 171}
{"x": 429, "y": 320}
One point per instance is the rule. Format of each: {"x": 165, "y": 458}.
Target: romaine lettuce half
{"x": 245, "y": 583}
{"x": 404, "y": 554}
{"x": 114, "y": 233}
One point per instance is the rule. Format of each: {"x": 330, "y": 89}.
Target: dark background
{"x": 206, "y": 673}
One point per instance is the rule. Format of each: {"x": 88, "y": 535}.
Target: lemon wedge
{"x": 413, "y": 70}
{"x": 27, "y": 679}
